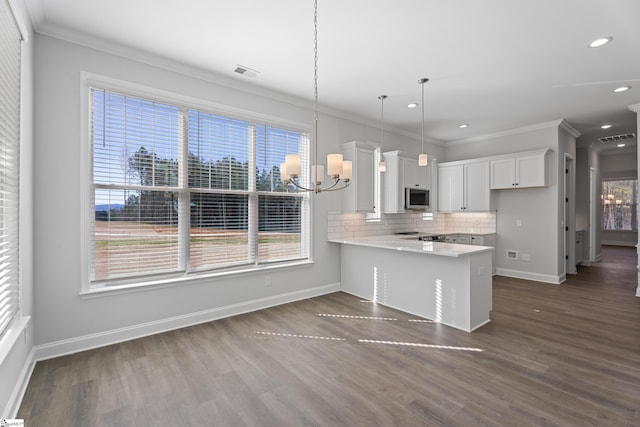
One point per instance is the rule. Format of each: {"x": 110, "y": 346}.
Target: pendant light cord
{"x": 315, "y": 91}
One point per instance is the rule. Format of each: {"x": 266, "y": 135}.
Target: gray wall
{"x": 63, "y": 315}
{"x": 537, "y": 208}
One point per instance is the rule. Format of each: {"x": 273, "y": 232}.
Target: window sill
{"x": 192, "y": 279}
{"x": 12, "y": 335}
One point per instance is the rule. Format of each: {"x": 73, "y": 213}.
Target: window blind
{"x": 180, "y": 190}
{"x": 10, "y": 45}
{"x": 136, "y": 146}
{"x": 280, "y": 216}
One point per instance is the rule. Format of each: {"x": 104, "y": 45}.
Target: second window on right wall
{"x": 619, "y": 200}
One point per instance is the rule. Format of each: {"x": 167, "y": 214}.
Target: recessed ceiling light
{"x": 463, "y": 125}
{"x": 600, "y": 42}
{"x": 607, "y": 126}
{"x": 622, "y": 89}
{"x": 412, "y": 105}
{"x": 621, "y": 145}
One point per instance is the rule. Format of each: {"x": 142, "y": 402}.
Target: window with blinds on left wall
{"x": 179, "y": 191}
{"x": 10, "y": 63}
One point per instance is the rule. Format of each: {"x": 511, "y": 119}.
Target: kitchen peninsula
{"x": 445, "y": 282}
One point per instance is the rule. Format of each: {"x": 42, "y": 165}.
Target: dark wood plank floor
{"x": 553, "y": 355}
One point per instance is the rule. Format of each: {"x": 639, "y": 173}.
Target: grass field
{"x": 130, "y": 248}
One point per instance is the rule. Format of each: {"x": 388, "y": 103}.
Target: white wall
{"x": 536, "y": 208}
{"x": 66, "y": 320}
{"x": 16, "y": 366}
{"x": 594, "y": 163}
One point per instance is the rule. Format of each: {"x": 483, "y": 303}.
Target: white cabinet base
{"x": 455, "y": 291}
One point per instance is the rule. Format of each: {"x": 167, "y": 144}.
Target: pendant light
{"x": 423, "y": 158}
{"x": 338, "y": 170}
{"x": 382, "y": 167}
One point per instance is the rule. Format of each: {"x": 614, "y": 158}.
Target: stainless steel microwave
{"x": 416, "y": 198}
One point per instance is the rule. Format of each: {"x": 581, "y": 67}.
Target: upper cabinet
{"x": 359, "y": 196}
{"x": 403, "y": 171}
{"x": 464, "y": 187}
{"x": 520, "y": 170}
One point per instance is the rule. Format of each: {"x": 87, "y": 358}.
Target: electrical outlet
{"x": 526, "y": 257}
{"x": 267, "y": 280}
{"x": 512, "y": 254}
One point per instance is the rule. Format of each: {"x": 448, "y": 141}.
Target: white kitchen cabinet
{"x": 360, "y": 195}
{"x": 461, "y": 239}
{"x": 464, "y": 187}
{"x": 403, "y": 171}
{"x": 486, "y": 240}
{"x": 521, "y": 170}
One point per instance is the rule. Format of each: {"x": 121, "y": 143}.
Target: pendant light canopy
{"x": 339, "y": 170}
{"x": 382, "y": 167}
{"x": 423, "y": 158}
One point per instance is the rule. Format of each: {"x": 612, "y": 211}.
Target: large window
{"x": 178, "y": 190}
{"x": 619, "y": 201}
{"x": 10, "y": 45}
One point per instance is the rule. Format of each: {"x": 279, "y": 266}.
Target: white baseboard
{"x": 101, "y": 339}
{"x": 618, "y": 243}
{"x": 546, "y": 278}
{"x": 13, "y": 405}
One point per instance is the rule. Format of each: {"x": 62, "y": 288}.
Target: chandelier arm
{"x": 298, "y": 186}
{"x": 346, "y": 184}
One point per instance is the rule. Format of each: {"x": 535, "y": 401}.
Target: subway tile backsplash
{"x": 344, "y": 225}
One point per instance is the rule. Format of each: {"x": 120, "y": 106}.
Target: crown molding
{"x": 570, "y": 129}
{"x": 516, "y": 131}
{"x": 191, "y": 71}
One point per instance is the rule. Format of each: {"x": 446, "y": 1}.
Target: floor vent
{"x": 617, "y": 138}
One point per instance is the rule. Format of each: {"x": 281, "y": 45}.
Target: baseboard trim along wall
{"x": 517, "y": 274}
{"x": 88, "y": 342}
{"x": 20, "y": 388}
{"x": 618, "y": 243}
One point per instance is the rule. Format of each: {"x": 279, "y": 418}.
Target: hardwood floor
{"x": 553, "y": 355}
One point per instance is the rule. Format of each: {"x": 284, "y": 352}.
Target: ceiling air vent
{"x": 617, "y": 138}
{"x": 245, "y": 71}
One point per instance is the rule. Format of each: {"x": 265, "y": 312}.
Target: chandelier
{"x": 338, "y": 170}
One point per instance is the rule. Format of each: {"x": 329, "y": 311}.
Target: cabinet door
{"x": 477, "y": 240}
{"x": 421, "y": 178}
{"x": 463, "y": 239}
{"x": 476, "y": 185}
{"x": 450, "y": 188}
{"x": 410, "y": 173}
{"x": 359, "y": 196}
{"x": 364, "y": 180}
{"x": 503, "y": 173}
{"x": 531, "y": 171}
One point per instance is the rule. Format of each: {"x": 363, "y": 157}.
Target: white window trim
{"x": 88, "y": 80}
{"x": 20, "y": 322}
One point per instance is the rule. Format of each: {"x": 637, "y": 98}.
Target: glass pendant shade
{"x": 423, "y": 159}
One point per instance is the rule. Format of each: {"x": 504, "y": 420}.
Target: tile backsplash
{"x": 344, "y": 225}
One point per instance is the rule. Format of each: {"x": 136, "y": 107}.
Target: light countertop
{"x": 394, "y": 242}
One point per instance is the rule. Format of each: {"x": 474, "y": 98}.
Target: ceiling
{"x": 495, "y": 65}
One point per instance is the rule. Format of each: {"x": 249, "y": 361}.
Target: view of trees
{"x": 209, "y": 210}
{"x": 619, "y": 205}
